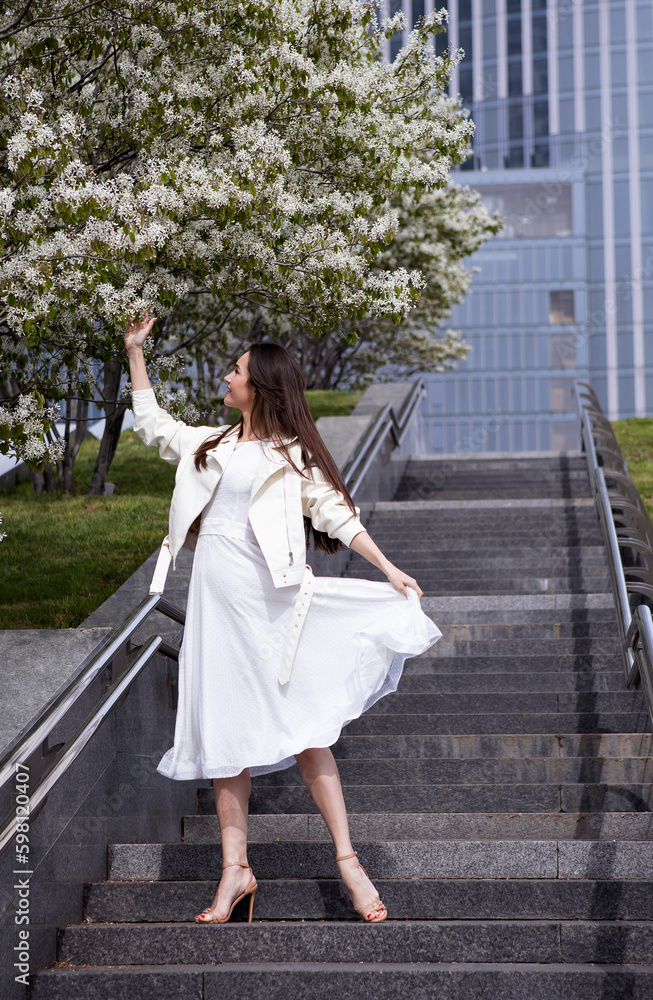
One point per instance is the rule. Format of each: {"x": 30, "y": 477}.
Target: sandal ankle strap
{"x": 235, "y": 864}
{"x": 345, "y": 857}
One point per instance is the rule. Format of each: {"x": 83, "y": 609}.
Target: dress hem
{"x": 389, "y": 685}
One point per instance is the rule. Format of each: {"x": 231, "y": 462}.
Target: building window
{"x": 540, "y": 119}
{"x": 561, "y": 307}
{"x": 417, "y": 11}
{"x": 561, "y": 395}
{"x": 515, "y": 78}
{"x": 540, "y": 156}
{"x": 531, "y": 210}
{"x": 396, "y": 41}
{"x": 465, "y": 84}
{"x": 563, "y": 351}
{"x": 539, "y": 34}
{"x": 540, "y": 75}
{"x": 441, "y": 39}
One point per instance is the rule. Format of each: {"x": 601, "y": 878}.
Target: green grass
{"x": 635, "y": 438}
{"x": 331, "y": 402}
{"x": 64, "y": 555}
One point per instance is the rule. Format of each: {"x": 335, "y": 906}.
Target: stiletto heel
{"x": 371, "y": 914}
{"x": 208, "y": 916}
{"x": 251, "y": 903}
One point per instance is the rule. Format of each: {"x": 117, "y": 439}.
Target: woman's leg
{"x": 319, "y": 772}
{"x": 232, "y": 805}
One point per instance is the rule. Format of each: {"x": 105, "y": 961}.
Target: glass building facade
{"x": 561, "y": 92}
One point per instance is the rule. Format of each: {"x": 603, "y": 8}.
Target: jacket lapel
{"x": 271, "y": 461}
{"x": 222, "y": 451}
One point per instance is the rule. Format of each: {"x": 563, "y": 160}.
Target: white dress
{"x": 232, "y": 711}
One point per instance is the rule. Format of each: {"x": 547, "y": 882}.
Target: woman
{"x": 273, "y": 662}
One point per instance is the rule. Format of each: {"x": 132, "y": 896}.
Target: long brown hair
{"x": 280, "y": 411}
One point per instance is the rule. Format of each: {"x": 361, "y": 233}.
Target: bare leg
{"x": 319, "y": 772}
{"x": 231, "y": 805}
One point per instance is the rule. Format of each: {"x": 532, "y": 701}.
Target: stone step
{"x": 561, "y": 859}
{"x": 457, "y": 568}
{"x": 350, "y": 941}
{"x": 455, "y": 565}
{"x": 473, "y": 771}
{"x": 414, "y": 899}
{"x": 498, "y": 722}
{"x": 373, "y": 827}
{"x": 527, "y": 630}
{"x": 532, "y": 541}
{"x": 493, "y": 745}
{"x": 349, "y": 981}
{"x": 443, "y": 610}
{"x": 521, "y": 513}
{"x": 533, "y": 532}
{"x": 434, "y": 586}
{"x": 464, "y": 549}
{"x": 424, "y": 703}
{"x": 497, "y": 490}
{"x": 582, "y": 645}
{"x": 482, "y": 797}
{"x": 500, "y": 663}
{"x": 515, "y": 682}
{"x": 446, "y": 475}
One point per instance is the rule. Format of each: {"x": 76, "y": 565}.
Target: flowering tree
{"x": 434, "y": 235}
{"x": 249, "y": 152}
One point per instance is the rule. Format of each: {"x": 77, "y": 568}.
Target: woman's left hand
{"x": 401, "y": 582}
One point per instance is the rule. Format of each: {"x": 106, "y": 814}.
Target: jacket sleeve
{"x": 328, "y": 509}
{"x": 155, "y": 426}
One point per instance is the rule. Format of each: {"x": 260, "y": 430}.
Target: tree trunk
{"x": 38, "y": 481}
{"x": 72, "y": 448}
{"x": 50, "y": 478}
{"x": 114, "y": 411}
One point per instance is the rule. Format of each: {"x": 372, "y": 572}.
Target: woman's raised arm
{"x": 135, "y": 335}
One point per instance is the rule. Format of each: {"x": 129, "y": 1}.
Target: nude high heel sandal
{"x": 208, "y": 916}
{"x": 374, "y": 912}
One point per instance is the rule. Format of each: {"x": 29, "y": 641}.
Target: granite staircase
{"x": 501, "y": 799}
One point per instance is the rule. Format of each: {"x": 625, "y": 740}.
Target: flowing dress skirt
{"x": 232, "y": 711}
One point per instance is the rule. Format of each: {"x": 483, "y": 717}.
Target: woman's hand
{"x": 137, "y": 331}
{"x": 363, "y": 544}
{"x": 401, "y": 582}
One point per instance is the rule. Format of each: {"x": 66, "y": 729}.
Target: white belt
{"x": 299, "y": 613}
{"x": 300, "y": 610}
{"x": 161, "y": 568}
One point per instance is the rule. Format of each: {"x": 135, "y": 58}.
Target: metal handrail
{"x": 48, "y": 764}
{"x": 603, "y": 455}
{"x": 385, "y": 422}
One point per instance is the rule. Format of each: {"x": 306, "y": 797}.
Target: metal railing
{"x": 386, "y": 423}
{"x": 628, "y": 536}
{"x": 125, "y": 661}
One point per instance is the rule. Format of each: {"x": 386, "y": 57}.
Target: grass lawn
{"x": 635, "y": 438}
{"x": 64, "y": 555}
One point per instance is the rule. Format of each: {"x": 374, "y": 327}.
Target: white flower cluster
{"x": 3, "y": 534}
{"x": 26, "y": 426}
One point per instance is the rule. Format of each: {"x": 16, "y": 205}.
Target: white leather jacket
{"x": 279, "y": 500}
